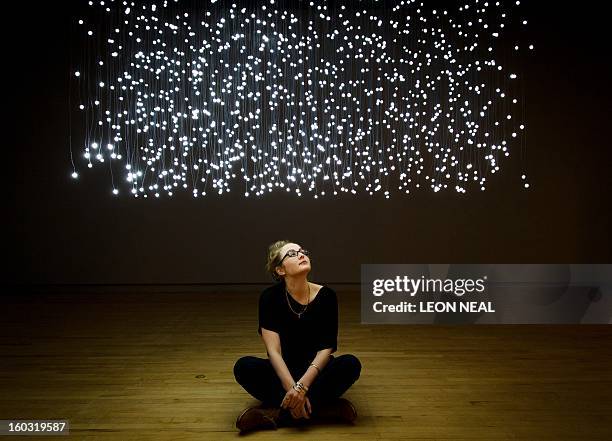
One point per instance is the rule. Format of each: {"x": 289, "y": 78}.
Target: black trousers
{"x": 258, "y": 377}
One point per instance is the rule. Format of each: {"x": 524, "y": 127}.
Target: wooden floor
{"x": 159, "y": 367}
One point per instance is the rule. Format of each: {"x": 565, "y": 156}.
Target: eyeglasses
{"x": 294, "y": 253}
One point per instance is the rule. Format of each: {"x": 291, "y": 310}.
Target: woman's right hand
{"x": 293, "y": 399}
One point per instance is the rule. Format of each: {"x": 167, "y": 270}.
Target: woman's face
{"x": 293, "y": 266}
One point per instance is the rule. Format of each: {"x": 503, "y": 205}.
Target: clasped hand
{"x": 298, "y": 404}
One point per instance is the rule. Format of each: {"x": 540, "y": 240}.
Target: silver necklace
{"x": 299, "y": 314}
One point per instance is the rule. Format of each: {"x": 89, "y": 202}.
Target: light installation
{"x": 315, "y": 98}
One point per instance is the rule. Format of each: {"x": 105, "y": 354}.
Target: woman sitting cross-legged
{"x": 298, "y": 322}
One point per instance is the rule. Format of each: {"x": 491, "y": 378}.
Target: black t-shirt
{"x": 301, "y": 338}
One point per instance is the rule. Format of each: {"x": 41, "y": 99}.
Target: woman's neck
{"x": 298, "y": 288}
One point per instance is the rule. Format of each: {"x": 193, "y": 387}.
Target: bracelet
{"x": 300, "y": 387}
{"x": 299, "y": 390}
{"x": 316, "y": 367}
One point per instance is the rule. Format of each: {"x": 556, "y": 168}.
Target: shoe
{"x": 340, "y": 409}
{"x": 257, "y": 418}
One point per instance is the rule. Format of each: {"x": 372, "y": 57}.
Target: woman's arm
{"x": 273, "y": 347}
{"x": 321, "y": 360}
{"x": 302, "y": 406}
{"x": 293, "y": 399}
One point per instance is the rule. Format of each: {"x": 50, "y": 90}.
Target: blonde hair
{"x": 274, "y": 258}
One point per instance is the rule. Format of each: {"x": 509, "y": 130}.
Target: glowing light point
{"x": 74, "y": 175}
